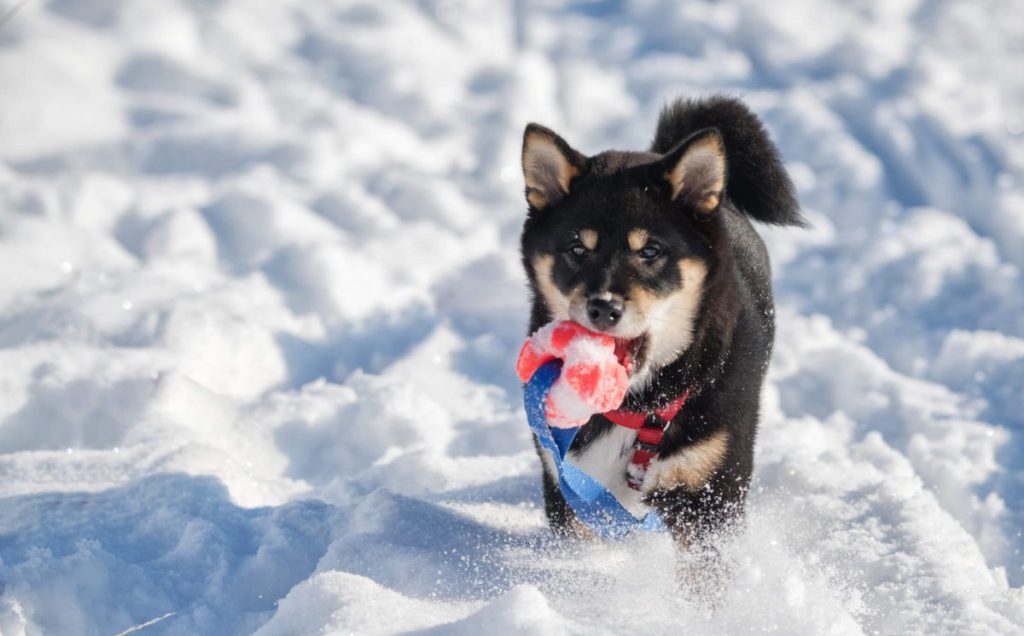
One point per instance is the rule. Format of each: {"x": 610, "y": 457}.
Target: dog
{"x": 657, "y": 249}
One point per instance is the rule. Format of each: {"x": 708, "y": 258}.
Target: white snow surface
{"x": 261, "y": 303}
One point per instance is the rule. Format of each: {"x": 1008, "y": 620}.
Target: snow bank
{"x": 262, "y": 301}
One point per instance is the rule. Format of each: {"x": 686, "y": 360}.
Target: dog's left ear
{"x": 549, "y": 166}
{"x": 696, "y": 170}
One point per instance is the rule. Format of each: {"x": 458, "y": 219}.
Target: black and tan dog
{"x": 656, "y": 248}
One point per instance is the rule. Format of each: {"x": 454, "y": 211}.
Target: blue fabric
{"x": 593, "y": 504}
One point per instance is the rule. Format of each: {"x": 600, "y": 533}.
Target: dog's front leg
{"x": 561, "y": 519}
{"x": 699, "y": 522}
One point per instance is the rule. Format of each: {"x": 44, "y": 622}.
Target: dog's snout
{"x": 604, "y": 314}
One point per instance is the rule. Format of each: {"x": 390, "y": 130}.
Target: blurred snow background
{"x": 260, "y": 299}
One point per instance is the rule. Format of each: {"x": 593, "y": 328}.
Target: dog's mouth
{"x": 631, "y": 352}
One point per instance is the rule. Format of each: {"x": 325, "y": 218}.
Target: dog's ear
{"x": 549, "y": 166}
{"x": 696, "y": 170}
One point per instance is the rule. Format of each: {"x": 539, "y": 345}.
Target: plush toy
{"x": 594, "y": 377}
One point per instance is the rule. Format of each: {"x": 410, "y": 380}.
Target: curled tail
{"x": 758, "y": 183}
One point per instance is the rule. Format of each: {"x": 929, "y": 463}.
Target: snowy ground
{"x": 260, "y": 303}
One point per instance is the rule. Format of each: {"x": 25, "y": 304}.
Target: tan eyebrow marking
{"x": 588, "y": 238}
{"x": 637, "y": 239}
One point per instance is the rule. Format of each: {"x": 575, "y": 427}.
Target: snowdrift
{"x": 261, "y": 301}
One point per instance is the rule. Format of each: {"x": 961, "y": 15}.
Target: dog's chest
{"x": 606, "y": 459}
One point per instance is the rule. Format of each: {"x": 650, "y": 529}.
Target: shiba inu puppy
{"x": 656, "y": 249}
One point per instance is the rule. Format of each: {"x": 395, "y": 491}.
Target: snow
{"x": 261, "y": 305}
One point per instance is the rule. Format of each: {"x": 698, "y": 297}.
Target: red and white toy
{"x": 593, "y": 379}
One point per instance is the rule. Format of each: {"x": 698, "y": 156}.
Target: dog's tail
{"x": 758, "y": 183}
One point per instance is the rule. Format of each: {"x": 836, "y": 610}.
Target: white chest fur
{"x": 605, "y": 459}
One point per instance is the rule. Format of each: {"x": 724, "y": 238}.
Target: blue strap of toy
{"x": 593, "y": 504}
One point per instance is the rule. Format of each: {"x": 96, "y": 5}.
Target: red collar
{"x": 634, "y": 419}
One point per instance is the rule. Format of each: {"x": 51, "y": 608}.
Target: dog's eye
{"x": 577, "y": 250}
{"x": 650, "y": 251}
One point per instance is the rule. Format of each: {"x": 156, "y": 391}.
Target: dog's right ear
{"x": 549, "y": 166}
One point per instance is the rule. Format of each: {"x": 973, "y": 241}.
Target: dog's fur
{"x": 666, "y": 235}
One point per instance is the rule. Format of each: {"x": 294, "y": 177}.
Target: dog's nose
{"x": 604, "y": 314}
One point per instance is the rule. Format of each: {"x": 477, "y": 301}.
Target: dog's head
{"x": 616, "y": 243}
